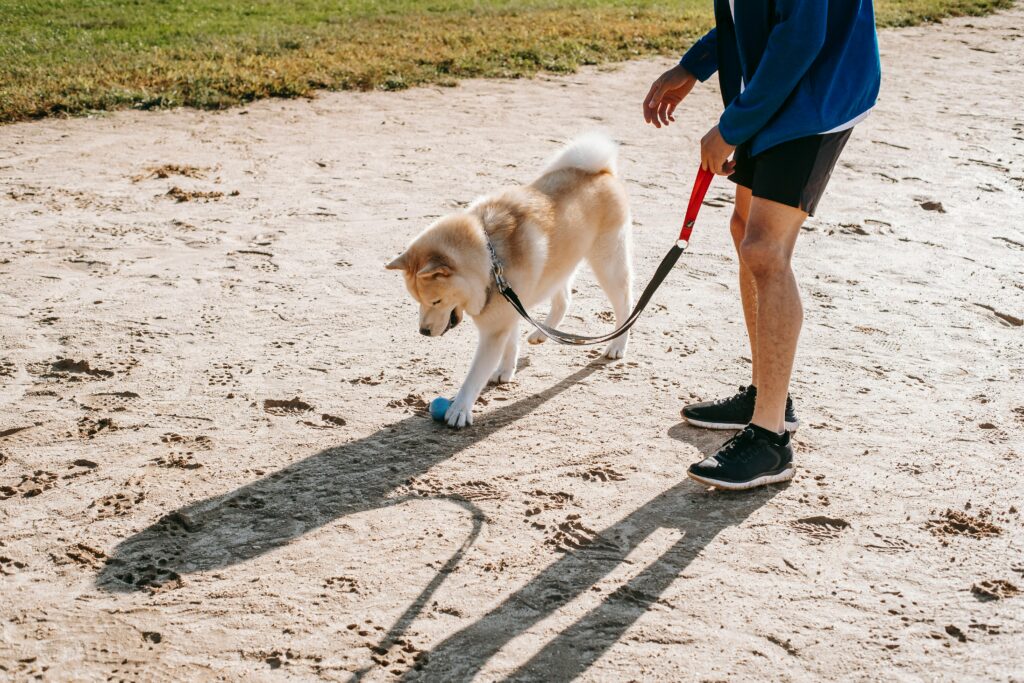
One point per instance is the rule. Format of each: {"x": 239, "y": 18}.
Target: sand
{"x": 214, "y": 462}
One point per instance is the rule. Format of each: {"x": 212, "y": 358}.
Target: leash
{"x": 700, "y": 189}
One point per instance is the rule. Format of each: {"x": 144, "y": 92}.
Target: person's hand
{"x": 715, "y": 153}
{"x": 665, "y": 95}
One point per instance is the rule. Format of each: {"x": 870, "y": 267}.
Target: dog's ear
{"x": 434, "y": 268}
{"x": 398, "y": 263}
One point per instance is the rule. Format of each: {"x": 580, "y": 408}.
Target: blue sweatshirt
{"x": 789, "y": 68}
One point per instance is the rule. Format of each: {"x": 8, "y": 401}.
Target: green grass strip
{"x": 76, "y": 56}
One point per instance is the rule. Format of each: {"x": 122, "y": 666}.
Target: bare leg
{"x": 748, "y": 287}
{"x": 766, "y": 251}
{"x": 559, "y": 307}
{"x": 507, "y": 367}
{"x": 488, "y": 352}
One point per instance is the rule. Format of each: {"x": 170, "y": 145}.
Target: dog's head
{"x": 439, "y": 274}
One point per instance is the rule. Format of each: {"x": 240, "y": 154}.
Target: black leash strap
{"x": 577, "y": 340}
{"x": 700, "y": 189}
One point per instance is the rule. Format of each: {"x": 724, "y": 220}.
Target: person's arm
{"x": 699, "y": 62}
{"x": 793, "y": 45}
{"x": 701, "y": 59}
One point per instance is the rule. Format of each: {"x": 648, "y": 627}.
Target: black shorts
{"x": 793, "y": 173}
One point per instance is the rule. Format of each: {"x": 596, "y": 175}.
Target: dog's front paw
{"x": 537, "y": 337}
{"x": 617, "y": 348}
{"x": 460, "y": 414}
{"x": 502, "y": 375}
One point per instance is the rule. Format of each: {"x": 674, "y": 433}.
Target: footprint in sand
{"x": 9, "y": 566}
{"x": 413, "y": 401}
{"x": 397, "y": 657}
{"x": 225, "y": 374}
{"x": 888, "y": 544}
{"x": 930, "y": 205}
{"x": 286, "y": 408}
{"x": 994, "y": 589}
{"x": 427, "y": 486}
{"x": 180, "y": 194}
{"x": 599, "y": 472}
{"x": 572, "y": 535}
{"x": 476, "y": 490}
{"x": 68, "y": 368}
{"x": 116, "y": 504}
{"x": 79, "y": 468}
{"x": 342, "y": 584}
{"x": 542, "y": 500}
{"x": 167, "y": 170}
{"x": 959, "y": 523}
{"x": 89, "y": 427}
{"x": 199, "y": 442}
{"x": 111, "y": 401}
{"x": 327, "y": 421}
{"x": 258, "y": 260}
{"x": 153, "y": 577}
{"x": 30, "y": 485}
{"x": 178, "y": 461}
{"x": 84, "y": 556}
{"x": 820, "y": 528}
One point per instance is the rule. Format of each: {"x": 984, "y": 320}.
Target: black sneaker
{"x": 752, "y": 458}
{"x": 734, "y": 412}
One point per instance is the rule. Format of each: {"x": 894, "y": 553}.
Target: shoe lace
{"x": 740, "y": 396}
{"x": 731, "y": 451}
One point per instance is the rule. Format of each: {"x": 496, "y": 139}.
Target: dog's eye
{"x": 434, "y": 303}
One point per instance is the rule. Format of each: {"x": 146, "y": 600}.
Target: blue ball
{"x": 438, "y": 407}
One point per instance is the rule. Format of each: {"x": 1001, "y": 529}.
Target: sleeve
{"x": 702, "y": 58}
{"x": 794, "y": 43}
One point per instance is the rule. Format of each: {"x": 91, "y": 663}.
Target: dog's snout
{"x": 425, "y": 331}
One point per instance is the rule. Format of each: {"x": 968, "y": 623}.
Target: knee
{"x": 763, "y": 258}
{"x": 738, "y": 227}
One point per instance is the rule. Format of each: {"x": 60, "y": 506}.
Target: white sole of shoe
{"x": 784, "y": 475}
{"x": 790, "y": 426}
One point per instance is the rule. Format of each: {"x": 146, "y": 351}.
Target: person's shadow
{"x": 697, "y": 513}
{"x": 358, "y": 476}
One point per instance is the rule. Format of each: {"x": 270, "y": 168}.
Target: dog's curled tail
{"x": 591, "y": 152}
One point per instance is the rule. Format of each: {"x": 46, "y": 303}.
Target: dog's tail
{"x": 591, "y": 152}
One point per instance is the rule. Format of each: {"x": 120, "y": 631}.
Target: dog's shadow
{"x": 270, "y": 512}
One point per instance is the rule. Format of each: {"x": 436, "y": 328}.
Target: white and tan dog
{"x": 577, "y": 209}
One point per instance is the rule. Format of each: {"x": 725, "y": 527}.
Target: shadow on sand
{"x": 698, "y": 513}
{"x": 272, "y": 511}
{"x": 360, "y": 475}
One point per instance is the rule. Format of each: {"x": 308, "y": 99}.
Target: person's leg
{"x": 735, "y": 411}
{"x": 748, "y": 287}
{"x": 766, "y": 251}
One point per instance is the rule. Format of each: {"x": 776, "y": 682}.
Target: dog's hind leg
{"x": 610, "y": 259}
{"x": 507, "y": 367}
{"x": 559, "y": 307}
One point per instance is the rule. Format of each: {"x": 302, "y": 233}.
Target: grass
{"x": 75, "y": 56}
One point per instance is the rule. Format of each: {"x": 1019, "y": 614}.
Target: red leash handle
{"x": 700, "y": 188}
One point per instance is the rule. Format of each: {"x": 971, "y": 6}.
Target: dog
{"x": 576, "y": 210}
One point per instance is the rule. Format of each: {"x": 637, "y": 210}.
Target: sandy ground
{"x": 214, "y": 462}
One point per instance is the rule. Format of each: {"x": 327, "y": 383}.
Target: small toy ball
{"x": 438, "y": 408}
